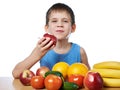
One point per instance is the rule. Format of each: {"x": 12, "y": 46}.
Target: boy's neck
{"x": 62, "y": 47}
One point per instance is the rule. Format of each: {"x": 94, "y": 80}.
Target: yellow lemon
{"x": 77, "y": 68}
{"x": 61, "y": 67}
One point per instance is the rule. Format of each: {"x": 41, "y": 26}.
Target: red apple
{"x": 42, "y": 70}
{"x": 37, "y": 82}
{"x": 76, "y": 78}
{"x": 25, "y": 77}
{"x": 52, "y": 37}
{"x": 93, "y": 81}
{"x": 53, "y": 82}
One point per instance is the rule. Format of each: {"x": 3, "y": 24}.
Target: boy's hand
{"x": 42, "y": 47}
{"x": 45, "y": 43}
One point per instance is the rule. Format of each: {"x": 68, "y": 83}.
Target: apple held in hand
{"x": 25, "y": 77}
{"x": 93, "y": 81}
{"x": 52, "y": 37}
{"x": 42, "y": 70}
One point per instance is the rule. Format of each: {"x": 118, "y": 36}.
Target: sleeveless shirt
{"x": 51, "y": 57}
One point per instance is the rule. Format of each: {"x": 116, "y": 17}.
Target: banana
{"x": 107, "y": 64}
{"x": 111, "y": 82}
{"x": 110, "y": 72}
{"x": 113, "y": 73}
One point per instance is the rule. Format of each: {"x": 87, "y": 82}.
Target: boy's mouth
{"x": 59, "y": 31}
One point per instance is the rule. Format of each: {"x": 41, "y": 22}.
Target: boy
{"x": 60, "y": 22}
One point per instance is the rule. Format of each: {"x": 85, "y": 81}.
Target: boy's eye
{"x": 65, "y": 21}
{"x": 54, "y": 21}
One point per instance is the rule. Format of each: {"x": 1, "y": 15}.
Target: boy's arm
{"x": 39, "y": 51}
{"x": 27, "y": 63}
{"x": 84, "y": 58}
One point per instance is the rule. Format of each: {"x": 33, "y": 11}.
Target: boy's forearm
{"x": 38, "y": 52}
{"x": 25, "y": 64}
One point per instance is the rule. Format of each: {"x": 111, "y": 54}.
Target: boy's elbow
{"x": 15, "y": 75}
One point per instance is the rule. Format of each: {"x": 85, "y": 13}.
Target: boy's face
{"x": 60, "y": 24}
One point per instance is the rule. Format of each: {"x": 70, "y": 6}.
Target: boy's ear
{"x": 73, "y": 28}
{"x": 46, "y": 28}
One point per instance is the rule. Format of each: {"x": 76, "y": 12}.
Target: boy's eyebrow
{"x": 56, "y": 18}
{"x": 52, "y": 18}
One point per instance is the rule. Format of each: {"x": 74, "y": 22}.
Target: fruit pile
{"x": 62, "y": 76}
{"x": 110, "y": 72}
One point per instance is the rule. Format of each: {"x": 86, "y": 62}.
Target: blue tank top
{"x": 51, "y": 57}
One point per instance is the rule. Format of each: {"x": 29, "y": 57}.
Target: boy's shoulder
{"x": 75, "y": 44}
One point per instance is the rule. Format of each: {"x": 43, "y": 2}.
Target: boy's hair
{"x": 60, "y": 7}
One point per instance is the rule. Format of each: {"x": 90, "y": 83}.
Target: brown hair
{"x": 60, "y": 7}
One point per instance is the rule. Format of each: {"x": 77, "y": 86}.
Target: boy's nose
{"x": 60, "y": 24}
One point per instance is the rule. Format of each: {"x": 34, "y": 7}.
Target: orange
{"x": 77, "y": 68}
{"x": 61, "y": 67}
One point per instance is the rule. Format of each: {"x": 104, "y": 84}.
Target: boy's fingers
{"x": 52, "y": 46}
{"x": 41, "y": 40}
{"x": 45, "y": 42}
{"x": 49, "y": 45}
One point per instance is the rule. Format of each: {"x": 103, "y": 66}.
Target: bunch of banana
{"x": 110, "y": 72}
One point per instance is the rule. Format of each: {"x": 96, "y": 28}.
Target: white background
{"x": 22, "y": 22}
